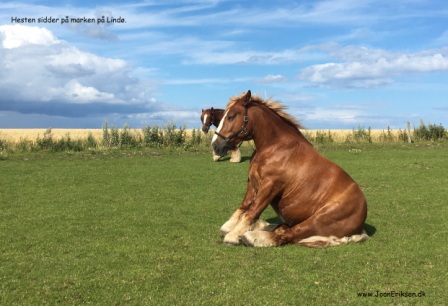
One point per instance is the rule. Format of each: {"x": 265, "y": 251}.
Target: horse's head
{"x": 234, "y": 127}
{"x": 207, "y": 118}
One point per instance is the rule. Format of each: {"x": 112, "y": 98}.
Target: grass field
{"x": 141, "y": 227}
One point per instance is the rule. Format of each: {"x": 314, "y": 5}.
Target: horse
{"x": 213, "y": 116}
{"x": 318, "y": 202}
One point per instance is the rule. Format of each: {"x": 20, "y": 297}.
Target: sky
{"x": 336, "y": 64}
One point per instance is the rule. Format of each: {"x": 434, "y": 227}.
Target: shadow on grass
{"x": 227, "y": 158}
{"x": 370, "y": 229}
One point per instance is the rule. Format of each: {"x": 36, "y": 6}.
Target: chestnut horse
{"x": 319, "y": 203}
{"x": 213, "y": 116}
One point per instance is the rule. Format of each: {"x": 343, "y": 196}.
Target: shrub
{"x": 90, "y": 142}
{"x": 322, "y": 137}
{"x": 2, "y": 145}
{"x": 106, "y": 136}
{"x": 126, "y": 138}
{"x": 114, "y": 137}
{"x": 152, "y": 136}
{"x": 174, "y": 137}
{"x": 45, "y": 143}
{"x": 360, "y": 135}
{"x": 387, "y": 136}
{"x": 403, "y": 135}
{"x": 431, "y": 132}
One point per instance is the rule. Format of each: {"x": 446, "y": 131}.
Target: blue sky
{"x": 336, "y": 64}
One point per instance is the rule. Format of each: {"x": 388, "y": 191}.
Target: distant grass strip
{"x": 171, "y": 136}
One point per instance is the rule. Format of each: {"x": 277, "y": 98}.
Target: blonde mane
{"x": 275, "y": 106}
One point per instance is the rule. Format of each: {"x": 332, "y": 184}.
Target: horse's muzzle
{"x": 221, "y": 147}
{"x": 205, "y": 129}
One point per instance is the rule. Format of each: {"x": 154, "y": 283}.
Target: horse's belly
{"x": 291, "y": 212}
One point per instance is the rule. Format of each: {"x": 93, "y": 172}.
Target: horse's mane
{"x": 273, "y": 105}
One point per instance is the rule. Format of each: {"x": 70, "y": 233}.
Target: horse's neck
{"x": 271, "y": 130}
{"x": 219, "y": 113}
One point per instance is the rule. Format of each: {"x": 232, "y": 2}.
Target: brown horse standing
{"x": 211, "y": 117}
{"x": 319, "y": 202}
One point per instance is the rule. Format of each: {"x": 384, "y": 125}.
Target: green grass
{"x": 141, "y": 227}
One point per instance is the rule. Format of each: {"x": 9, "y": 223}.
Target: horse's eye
{"x": 231, "y": 117}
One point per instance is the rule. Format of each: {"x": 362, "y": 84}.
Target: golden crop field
{"x": 16, "y": 135}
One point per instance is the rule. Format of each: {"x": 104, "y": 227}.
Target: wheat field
{"x": 16, "y": 135}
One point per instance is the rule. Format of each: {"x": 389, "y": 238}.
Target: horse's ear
{"x": 212, "y": 109}
{"x": 202, "y": 110}
{"x": 247, "y": 97}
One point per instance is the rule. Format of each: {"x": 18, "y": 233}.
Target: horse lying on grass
{"x": 212, "y": 116}
{"x": 319, "y": 203}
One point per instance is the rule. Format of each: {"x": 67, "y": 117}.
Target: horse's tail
{"x": 321, "y": 241}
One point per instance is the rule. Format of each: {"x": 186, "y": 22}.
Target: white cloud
{"x": 364, "y": 67}
{"x": 161, "y": 118}
{"x": 221, "y": 56}
{"x": 78, "y": 93}
{"x": 45, "y": 75}
{"x": 19, "y": 35}
{"x": 345, "y": 116}
{"x": 272, "y": 78}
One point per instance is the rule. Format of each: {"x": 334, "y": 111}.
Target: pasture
{"x": 141, "y": 227}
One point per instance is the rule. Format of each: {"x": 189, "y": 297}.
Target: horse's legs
{"x": 328, "y": 226}
{"x": 232, "y": 222}
{"x": 260, "y": 225}
{"x": 236, "y": 217}
{"x": 250, "y": 210}
{"x": 236, "y": 156}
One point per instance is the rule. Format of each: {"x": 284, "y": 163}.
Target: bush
{"x": 2, "y": 145}
{"x": 90, "y": 142}
{"x": 152, "y": 136}
{"x": 106, "y": 136}
{"x": 402, "y": 135}
{"x": 127, "y": 139}
{"x": 45, "y": 143}
{"x": 387, "y": 136}
{"x": 174, "y": 137}
{"x": 360, "y": 135}
{"x": 431, "y": 132}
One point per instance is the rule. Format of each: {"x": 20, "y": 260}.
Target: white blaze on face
{"x": 205, "y": 119}
{"x": 218, "y": 130}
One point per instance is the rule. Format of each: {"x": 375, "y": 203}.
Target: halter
{"x": 241, "y": 130}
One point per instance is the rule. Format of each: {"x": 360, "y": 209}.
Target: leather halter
{"x": 241, "y": 130}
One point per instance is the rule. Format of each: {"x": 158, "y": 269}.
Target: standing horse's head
{"x": 207, "y": 118}
{"x": 234, "y": 127}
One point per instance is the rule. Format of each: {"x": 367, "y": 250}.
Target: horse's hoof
{"x": 226, "y": 228}
{"x": 231, "y": 240}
